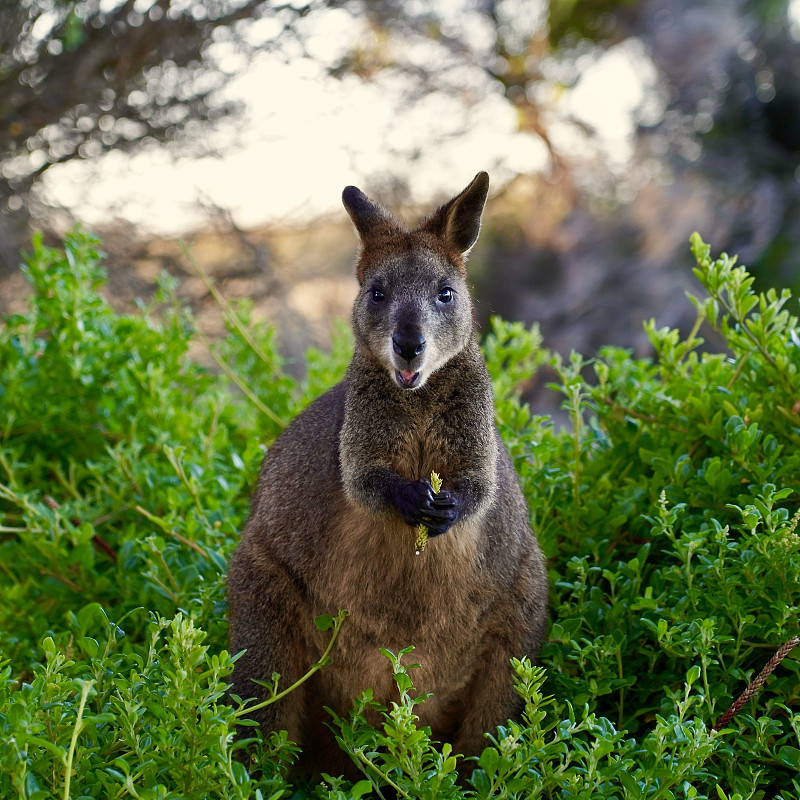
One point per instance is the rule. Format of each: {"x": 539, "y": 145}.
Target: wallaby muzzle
{"x": 408, "y": 344}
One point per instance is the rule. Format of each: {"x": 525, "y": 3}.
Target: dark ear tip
{"x": 351, "y": 195}
{"x": 482, "y": 180}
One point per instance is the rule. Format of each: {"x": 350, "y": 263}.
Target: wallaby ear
{"x": 459, "y": 221}
{"x": 367, "y": 216}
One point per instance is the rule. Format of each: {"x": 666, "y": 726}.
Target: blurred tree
{"x": 714, "y": 145}
{"x": 82, "y": 77}
{"x": 725, "y": 70}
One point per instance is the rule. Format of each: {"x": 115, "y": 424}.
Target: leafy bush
{"x": 668, "y": 509}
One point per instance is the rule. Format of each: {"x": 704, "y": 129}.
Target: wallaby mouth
{"x": 407, "y": 378}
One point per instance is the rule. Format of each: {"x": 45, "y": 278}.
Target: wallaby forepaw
{"x": 418, "y": 504}
{"x": 443, "y": 514}
{"x": 411, "y": 500}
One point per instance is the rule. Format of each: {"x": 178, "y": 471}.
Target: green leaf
{"x": 789, "y": 756}
{"x": 89, "y": 646}
{"x": 360, "y": 789}
{"x": 324, "y": 622}
{"x": 488, "y": 761}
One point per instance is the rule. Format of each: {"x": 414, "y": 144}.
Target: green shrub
{"x": 668, "y": 509}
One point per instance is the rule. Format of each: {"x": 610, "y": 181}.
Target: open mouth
{"x": 407, "y": 378}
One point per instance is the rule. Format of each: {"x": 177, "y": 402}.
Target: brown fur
{"x": 326, "y": 529}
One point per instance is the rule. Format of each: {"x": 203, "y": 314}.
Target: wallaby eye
{"x": 445, "y": 295}
{"x": 376, "y": 295}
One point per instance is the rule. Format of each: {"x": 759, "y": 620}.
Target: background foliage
{"x": 668, "y": 510}
{"x": 715, "y": 127}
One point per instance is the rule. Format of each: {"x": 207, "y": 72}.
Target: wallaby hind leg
{"x": 490, "y": 700}
{"x": 270, "y": 635}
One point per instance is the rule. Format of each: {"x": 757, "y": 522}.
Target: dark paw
{"x": 418, "y": 504}
{"x": 442, "y": 515}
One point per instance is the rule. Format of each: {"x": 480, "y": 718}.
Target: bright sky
{"x": 306, "y": 136}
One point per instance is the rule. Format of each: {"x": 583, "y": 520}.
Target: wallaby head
{"x": 413, "y": 311}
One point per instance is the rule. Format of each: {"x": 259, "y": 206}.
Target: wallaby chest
{"x": 371, "y": 568}
{"x": 437, "y": 602}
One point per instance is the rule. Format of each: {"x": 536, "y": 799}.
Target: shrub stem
{"x": 87, "y": 685}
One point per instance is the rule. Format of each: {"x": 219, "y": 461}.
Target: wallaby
{"x": 343, "y": 489}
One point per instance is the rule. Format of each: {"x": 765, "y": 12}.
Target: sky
{"x": 305, "y": 136}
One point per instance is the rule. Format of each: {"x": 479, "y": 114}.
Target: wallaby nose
{"x": 408, "y": 344}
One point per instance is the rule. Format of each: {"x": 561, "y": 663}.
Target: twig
{"x": 105, "y": 547}
{"x": 228, "y": 313}
{"x": 364, "y": 760}
{"x": 53, "y": 504}
{"x": 231, "y": 316}
{"x": 739, "y": 367}
{"x": 63, "y": 579}
{"x": 324, "y": 660}
{"x": 87, "y": 685}
{"x": 770, "y": 667}
{"x": 246, "y": 390}
{"x": 171, "y": 531}
{"x": 177, "y": 465}
{"x": 631, "y": 412}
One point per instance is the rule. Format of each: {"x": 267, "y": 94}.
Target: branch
{"x": 338, "y": 621}
{"x": 770, "y": 667}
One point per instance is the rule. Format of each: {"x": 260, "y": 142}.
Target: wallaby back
{"x": 342, "y": 491}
